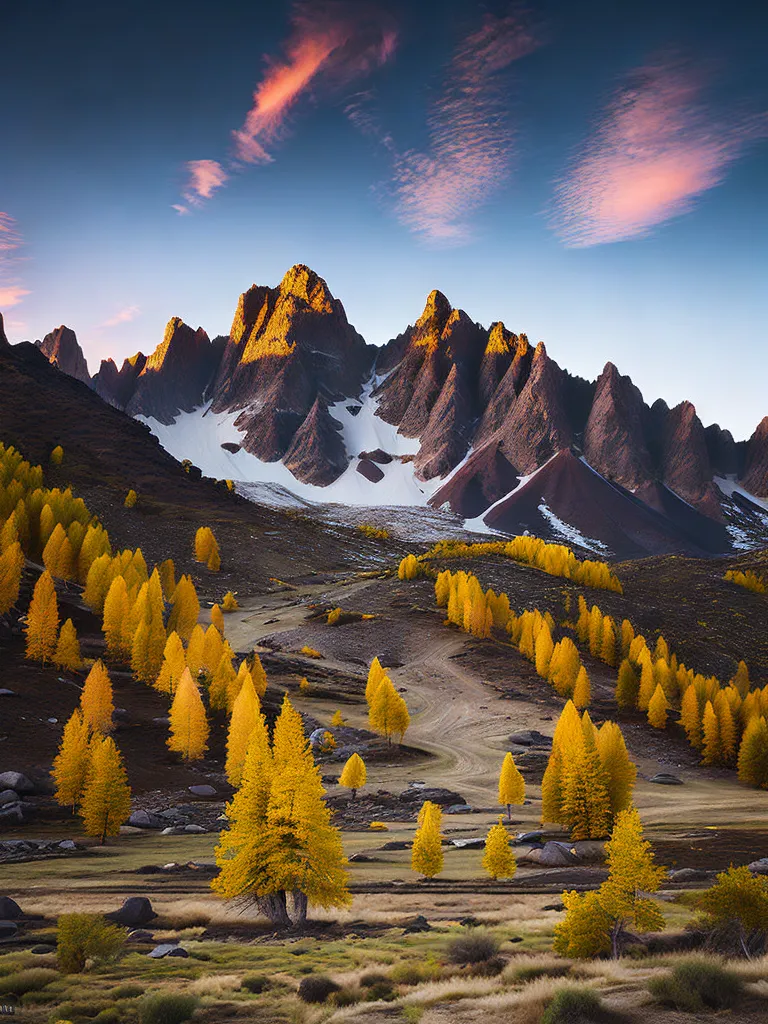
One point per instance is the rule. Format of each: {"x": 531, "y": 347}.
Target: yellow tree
{"x": 42, "y": 627}
{"x": 544, "y": 648}
{"x": 586, "y": 805}
{"x": 657, "y": 708}
{"x": 498, "y": 860}
{"x": 223, "y": 682}
{"x": 354, "y": 774}
{"x": 174, "y": 663}
{"x": 246, "y": 716}
{"x": 229, "y": 602}
{"x": 67, "y": 654}
{"x": 11, "y": 567}
{"x": 582, "y": 691}
{"x": 690, "y": 717}
{"x": 427, "y": 850}
{"x": 511, "y": 784}
{"x": 196, "y": 651}
{"x": 608, "y": 645}
{"x": 710, "y": 735}
{"x": 375, "y": 674}
{"x": 96, "y": 699}
{"x": 185, "y": 610}
{"x": 116, "y": 613}
{"x": 150, "y": 636}
{"x": 647, "y": 683}
{"x": 167, "y": 573}
{"x": 753, "y": 754}
{"x": 213, "y": 649}
{"x": 726, "y": 727}
{"x": 70, "y": 766}
{"x": 106, "y": 802}
{"x": 388, "y": 713}
{"x": 620, "y": 771}
{"x": 627, "y": 685}
{"x": 188, "y": 723}
{"x": 259, "y": 675}
{"x": 217, "y": 618}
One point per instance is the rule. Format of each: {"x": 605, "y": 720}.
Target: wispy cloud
{"x": 471, "y": 141}
{"x": 123, "y": 316}
{"x": 331, "y": 43}
{"x": 11, "y": 291}
{"x": 204, "y": 177}
{"x": 656, "y": 149}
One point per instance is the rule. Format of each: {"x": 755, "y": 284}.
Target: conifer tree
{"x": 188, "y": 723}
{"x": 42, "y": 627}
{"x": 552, "y": 788}
{"x": 259, "y": 676}
{"x": 246, "y": 716}
{"x": 741, "y": 679}
{"x": 116, "y": 614}
{"x": 690, "y": 717}
{"x": 229, "y": 602}
{"x": 167, "y": 572}
{"x": 70, "y": 766}
{"x": 106, "y": 802}
{"x": 657, "y": 708}
{"x": 595, "y": 635}
{"x": 67, "y": 654}
{"x": 544, "y": 648}
{"x": 174, "y": 663}
{"x": 222, "y": 682}
{"x": 96, "y": 700}
{"x": 511, "y": 784}
{"x": 97, "y": 582}
{"x": 213, "y": 648}
{"x": 582, "y": 691}
{"x": 753, "y": 754}
{"x": 608, "y": 644}
{"x": 185, "y": 610}
{"x": 498, "y": 860}
{"x": 204, "y": 541}
{"x": 354, "y": 774}
{"x": 726, "y": 728}
{"x": 217, "y": 618}
{"x": 711, "y": 750}
{"x": 527, "y": 642}
{"x": 442, "y": 588}
{"x": 627, "y": 636}
{"x": 620, "y": 771}
{"x": 586, "y": 805}
{"x": 380, "y": 709}
{"x": 11, "y": 567}
{"x": 375, "y": 674}
{"x": 196, "y": 651}
{"x": 427, "y": 849}
{"x": 337, "y": 721}
{"x": 647, "y": 683}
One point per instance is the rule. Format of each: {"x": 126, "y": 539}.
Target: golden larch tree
{"x": 96, "y": 699}
{"x": 376, "y": 673}
{"x": 185, "y": 610}
{"x": 106, "y": 803}
{"x": 11, "y": 567}
{"x": 753, "y": 754}
{"x": 586, "y": 805}
{"x": 229, "y": 602}
{"x": 511, "y": 784}
{"x": 582, "y": 690}
{"x": 726, "y": 727}
{"x": 498, "y": 860}
{"x": 223, "y": 682}
{"x": 544, "y": 648}
{"x": 690, "y": 717}
{"x": 174, "y": 663}
{"x": 217, "y": 618}
{"x": 188, "y": 723}
{"x": 657, "y": 708}
{"x": 116, "y": 613}
{"x": 427, "y": 849}
{"x": 711, "y": 751}
{"x": 42, "y": 627}
{"x": 67, "y": 654}
{"x": 70, "y": 766}
{"x": 608, "y": 644}
{"x": 246, "y": 715}
{"x": 196, "y": 651}
{"x": 620, "y": 770}
{"x": 627, "y": 686}
{"x": 259, "y": 675}
{"x": 354, "y": 774}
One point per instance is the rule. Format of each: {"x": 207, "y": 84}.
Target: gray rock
{"x": 195, "y": 829}
{"x": 140, "y": 935}
{"x": 170, "y": 831}
{"x": 135, "y": 911}
{"x": 11, "y": 816}
{"x": 530, "y": 738}
{"x": 529, "y": 837}
{"x": 759, "y": 867}
{"x": 8, "y": 929}
{"x": 8, "y": 796}
{"x": 418, "y": 924}
{"x": 665, "y": 779}
{"x": 469, "y": 844}
{"x": 437, "y": 795}
{"x": 7, "y": 693}
{"x": 202, "y": 790}
{"x": 695, "y": 875}
{"x": 162, "y": 950}
{"x": 67, "y": 844}
{"x": 42, "y": 949}
{"x": 553, "y": 855}
{"x": 458, "y": 809}
{"x": 178, "y": 951}
{"x": 316, "y": 738}
{"x": 17, "y": 782}
{"x": 145, "y": 819}
{"x": 10, "y": 909}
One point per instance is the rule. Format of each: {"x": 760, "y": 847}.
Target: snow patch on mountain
{"x": 570, "y": 534}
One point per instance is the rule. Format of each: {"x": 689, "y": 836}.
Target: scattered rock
{"x": 67, "y": 844}
{"x": 397, "y": 844}
{"x": 558, "y": 907}
{"x": 203, "y": 790}
{"x": 135, "y": 911}
{"x": 553, "y": 855}
{"x": 10, "y": 909}
{"x": 665, "y": 779}
{"x": 470, "y": 922}
{"x": 363, "y": 858}
{"x": 436, "y": 795}
{"x": 696, "y": 875}
{"x": 178, "y": 951}
{"x": 8, "y": 796}
{"x": 17, "y": 782}
{"x": 146, "y": 819}
{"x": 478, "y": 842}
{"x": 458, "y": 809}
{"x": 8, "y": 929}
{"x": 140, "y": 935}
{"x": 529, "y": 837}
{"x": 42, "y": 949}
{"x": 11, "y": 816}
{"x": 7, "y": 693}
{"x": 418, "y": 924}
{"x": 162, "y": 950}
{"x": 759, "y": 867}
{"x": 195, "y": 829}
{"x": 530, "y": 738}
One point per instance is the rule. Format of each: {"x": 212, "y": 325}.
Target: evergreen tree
{"x": 753, "y": 754}
{"x": 246, "y": 716}
{"x": 657, "y": 708}
{"x": 70, "y": 766}
{"x": 354, "y": 774}
{"x": 174, "y": 663}
{"x": 427, "y": 849}
{"x": 223, "y": 682}
{"x": 106, "y": 802}
{"x": 116, "y": 614}
{"x": 11, "y": 567}
{"x": 375, "y": 674}
{"x": 544, "y": 648}
{"x": 96, "y": 700}
{"x": 608, "y": 645}
{"x": 259, "y": 675}
{"x": 647, "y": 683}
{"x": 67, "y": 654}
{"x": 42, "y": 627}
{"x": 511, "y": 784}
{"x": 188, "y": 723}
{"x": 712, "y": 752}
{"x": 582, "y": 691}
{"x": 627, "y": 636}
{"x": 498, "y": 860}
{"x": 726, "y": 728}
{"x": 217, "y": 618}
{"x": 196, "y": 651}
{"x": 167, "y": 572}
{"x": 741, "y": 679}
{"x": 229, "y": 602}
{"x": 620, "y": 771}
{"x": 586, "y": 805}
{"x": 213, "y": 648}
{"x": 97, "y": 582}
{"x": 552, "y": 789}
{"x": 185, "y": 608}
{"x": 690, "y": 717}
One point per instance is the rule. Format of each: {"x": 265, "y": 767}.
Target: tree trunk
{"x": 354, "y": 794}
{"x": 275, "y": 908}
{"x": 300, "y": 904}
{"x": 509, "y": 806}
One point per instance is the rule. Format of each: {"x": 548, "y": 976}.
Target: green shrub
{"x": 488, "y": 968}
{"x": 374, "y": 978}
{"x": 473, "y": 947}
{"x": 574, "y": 1006}
{"x": 83, "y": 937}
{"x": 411, "y": 973}
{"x": 128, "y": 990}
{"x": 316, "y": 988}
{"x": 32, "y": 980}
{"x": 696, "y": 985}
{"x": 383, "y": 990}
{"x": 255, "y": 983}
{"x": 109, "y": 1016}
{"x": 39, "y": 998}
{"x": 524, "y": 973}
{"x": 167, "y": 1008}
{"x": 348, "y": 996}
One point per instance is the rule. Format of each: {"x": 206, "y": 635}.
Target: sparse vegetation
{"x": 167, "y": 1008}
{"x": 83, "y": 937}
{"x": 697, "y": 985}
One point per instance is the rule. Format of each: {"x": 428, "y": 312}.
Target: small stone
{"x": 170, "y": 831}
{"x": 52, "y": 721}
{"x": 140, "y": 935}
{"x": 8, "y": 929}
{"x": 162, "y": 950}
{"x": 8, "y": 796}
{"x": 7, "y": 693}
{"x": 145, "y": 819}
{"x": 67, "y": 844}
{"x": 665, "y": 779}
{"x": 195, "y": 829}
{"x": 478, "y": 842}
{"x": 10, "y": 909}
{"x": 458, "y": 809}
{"x": 203, "y": 790}
{"x": 136, "y": 910}
{"x": 759, "y": 867}
{"x": 178, "y": 951}
{"x": 42, "y": 949}
{"x": 17, "y": 782}
{"x": 695, "y": 875}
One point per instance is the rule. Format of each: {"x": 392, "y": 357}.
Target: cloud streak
{"x": 655, "y": 150}
{"x": 11, "y": 291}
{"x": 471, "y": 142}
{"x": 123, "y": 316}
{"x": 204, "y": 177}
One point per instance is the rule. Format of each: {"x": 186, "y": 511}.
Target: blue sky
{"x": 595, "y": 174}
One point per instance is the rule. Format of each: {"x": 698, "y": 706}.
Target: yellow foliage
{"x": 498, "y": 860}
{"x": 427, "y": 850}
{"x": 42, "y": 626}
{"x": 188, "y": 723}
{"x": 511, "y": 784}
{"x": 96, "y": 699}
{"x": 229, "y": 602}
{"x": 131, "y": 498}
{"x": 67, "y": 654}
{"x": 354, "y": 774}
{"x": 106, "y": 802}
{"x": 70, "y": 766}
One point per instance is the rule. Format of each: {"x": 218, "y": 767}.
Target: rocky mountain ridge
{"x": 484, "y": 408}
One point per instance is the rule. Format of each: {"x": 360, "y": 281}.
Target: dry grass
{"x": 451, "y": 989}
{"x": 215, "y": 985}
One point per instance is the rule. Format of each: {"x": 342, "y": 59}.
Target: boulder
{"x": 17, "y": 782}
{"x": 477, "y": 842}
{"x": 203, "y": 790}
{"x": 458, "y": 809}
{"x": 8, "y": 929}
{"x": 195, "y": 829}
{"x": 42, "y": 948}
{"x": 418, "y": 924}
{"x": 696, "y": 875}
{"x": 67, "y": 844}
{"x": 759, "y": 867}
{"x": 8, "y": 796}
{"x": 140, "y": 935}
{"x": 10, "y": 909}
{"x": 530, "y": 738}
{"x": 436, "y": 795}
{"x": 529, "y": 837}
{"x": 665, "y": 779}
{"x": 146, "y": 819}
{"x": 553, "y": 855}
{"x": 162, "y": 950}
{"x": 178, "y": 951}
{"x": 11, "y": 816}
{"x": 135, "y": 911}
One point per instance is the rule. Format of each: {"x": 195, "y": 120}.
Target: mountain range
{"x": 448, "y": 413}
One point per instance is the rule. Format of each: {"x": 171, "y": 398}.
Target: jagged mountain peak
{"x": 500, "y": 340}
{"x": 3, "y": 338}
{"x": 303, "y": 283}
{"x": 179, "y": 342}
{"x": 62, "y": 349}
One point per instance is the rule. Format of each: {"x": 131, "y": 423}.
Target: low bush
{"x": 129, "y": 990}
{"x": 167, "y": 1008}
{"x": 696, "y": 985}
{"x": 383, "y": 990}
{"x": 83, "y": 937}
{"x": 32, "y": 980}
{"x": 316, "y": 988}
{"x": 523, "y": 973}
{"x": 487, "y": 968}
{"x": 348, "y": 996}
{"x": 574, "y": 1006}
{"x": 255, "y": 983}
{"x": 373, "y": 978}
{"x": 473, "y": 947}
{"x": 411, "y": 973}
{"x": 109, "y": 1016}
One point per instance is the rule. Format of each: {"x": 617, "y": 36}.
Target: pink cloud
{"x": 11, "y": 292}
{"x": 205, "y": 176}
{"x": 654, "y": 152}
{"x": 123, "y": 316}
{"x": 331, "y": 42}
{"x": 471, "y": 143}
{"x": 11, "y": 295}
